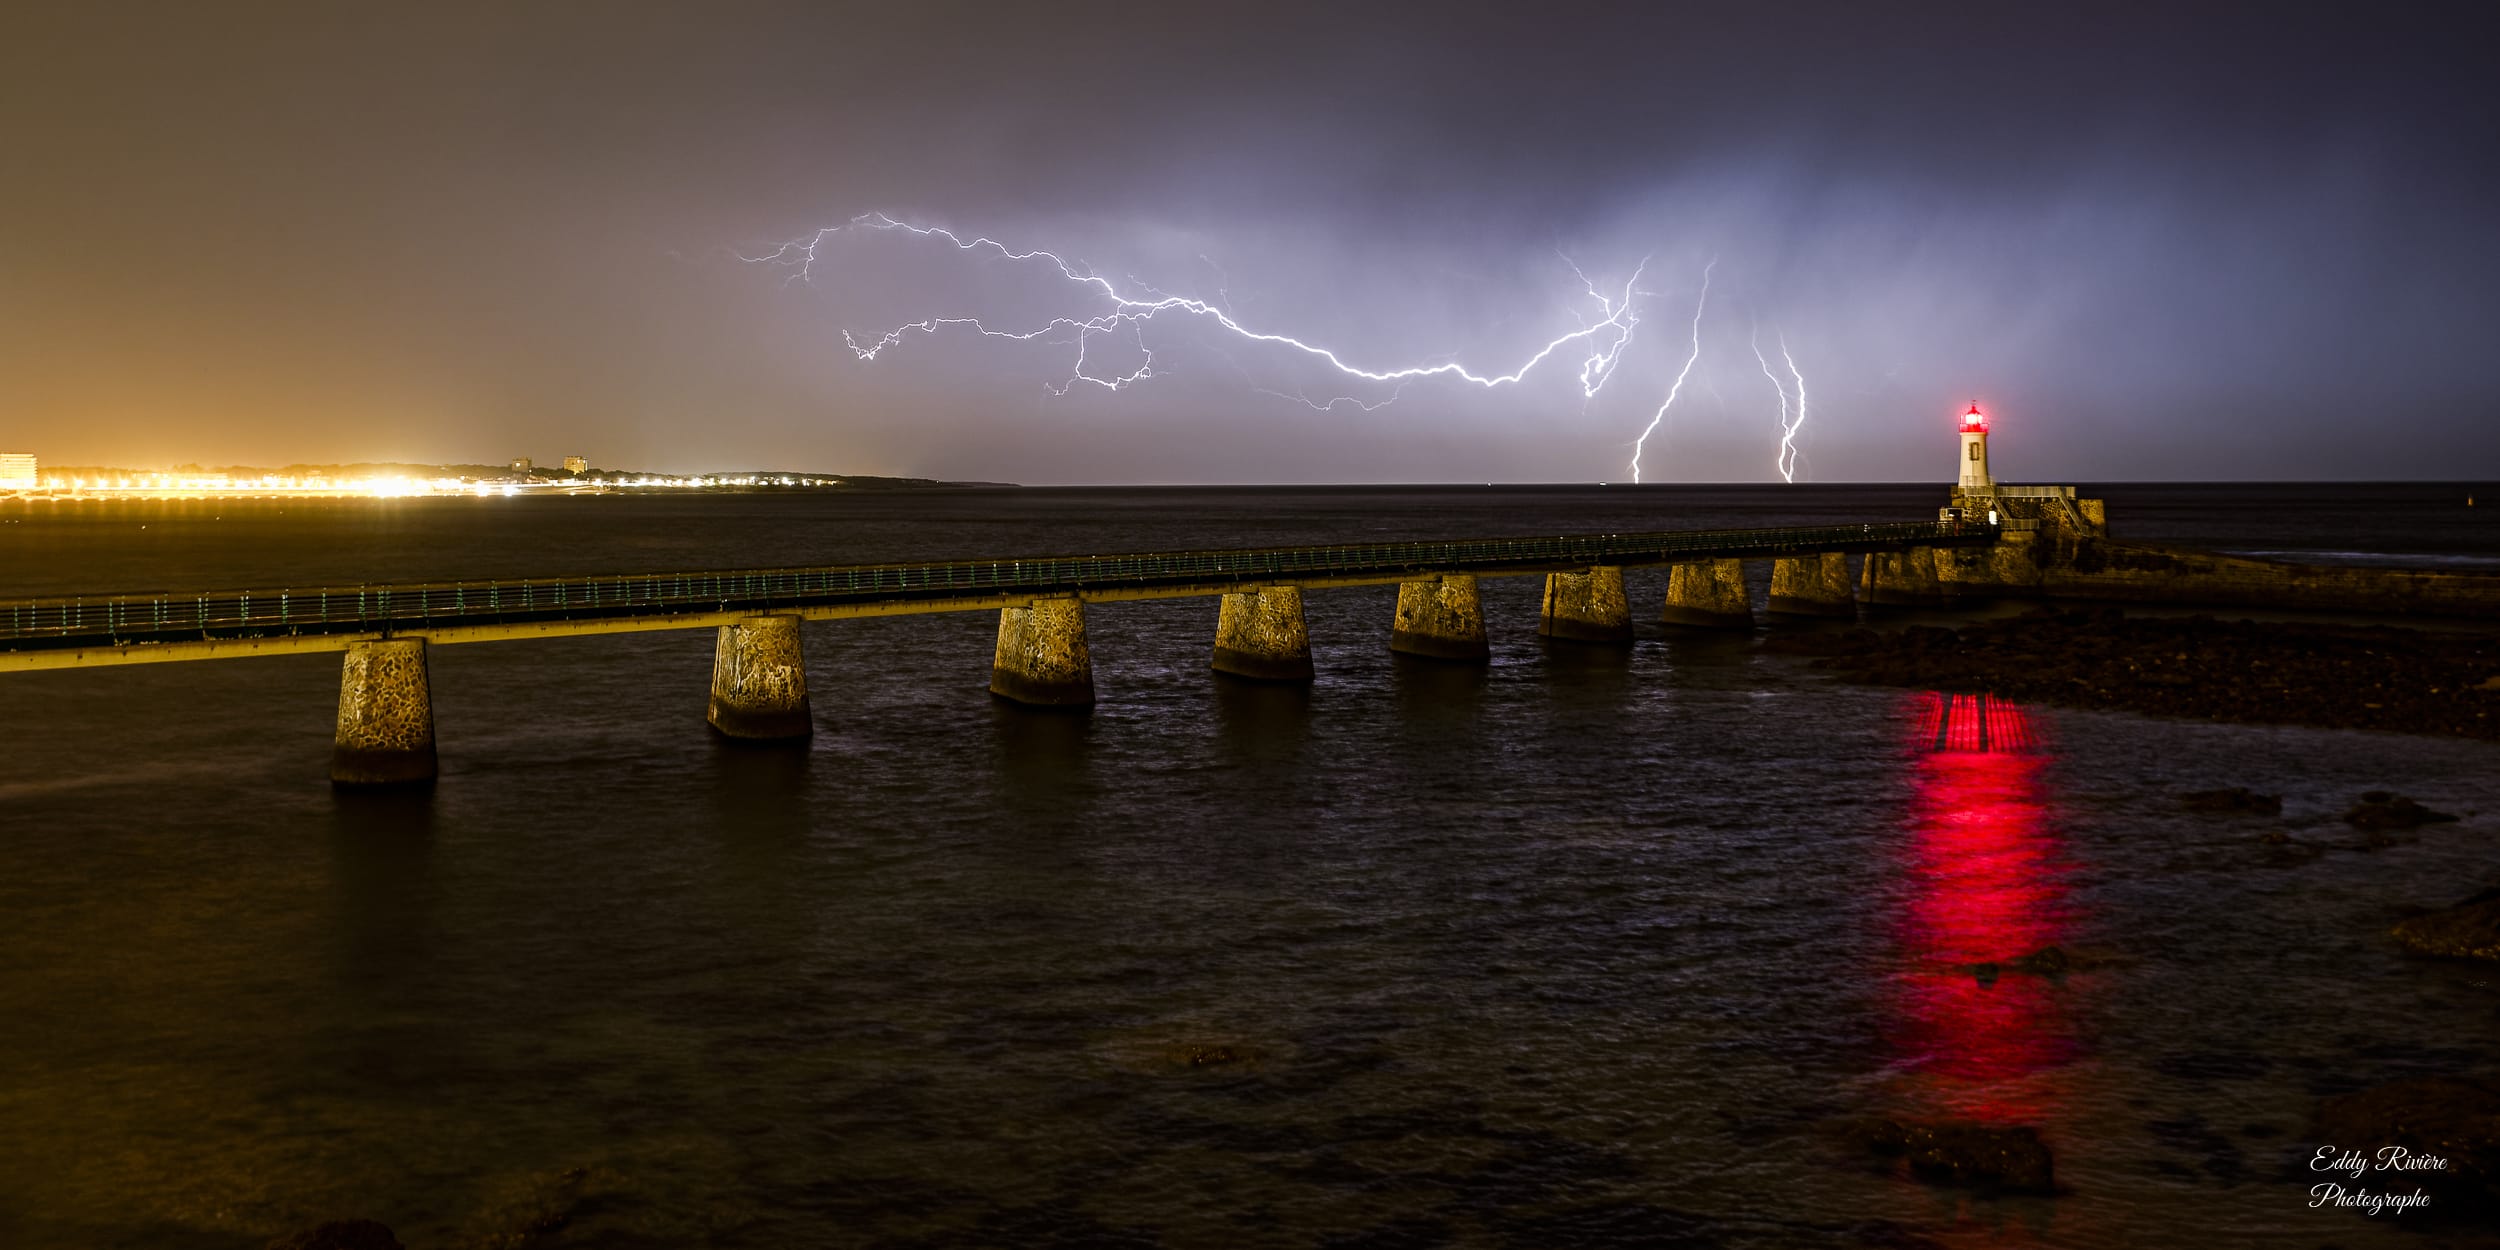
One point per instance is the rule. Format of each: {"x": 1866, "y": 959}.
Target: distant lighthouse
{"x": 1975, "y": 477}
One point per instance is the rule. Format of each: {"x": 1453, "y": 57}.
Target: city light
{"x": 172, "y": 485}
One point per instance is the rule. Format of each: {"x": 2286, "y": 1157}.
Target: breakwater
{"x": 2058, "y": 546}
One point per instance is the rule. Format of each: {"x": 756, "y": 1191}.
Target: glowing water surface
{"x": 1589, "y": 947}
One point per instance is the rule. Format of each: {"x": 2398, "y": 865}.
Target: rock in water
{"x": 2048, "y": 961}
{"x": 1209, "y": 1056}
{"x": 2379, "y": 809}
{"x": 2469, "y": 930}
{"x": 1999, "y": 1160}
{"x": 548, "y": 1206}
{"x": 341, "y": 1235}
{"x": 2236, "y": 800}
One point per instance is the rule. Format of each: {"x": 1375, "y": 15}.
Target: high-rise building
{"x": 576, "y": 464}
{"x": 17, "y": 471}
{"x": 520, "y": 464}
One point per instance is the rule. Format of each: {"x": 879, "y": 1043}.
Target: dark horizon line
{"x": 932, "y": 483}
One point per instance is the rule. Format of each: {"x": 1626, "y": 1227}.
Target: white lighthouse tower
{"x": 1974, "y": 479}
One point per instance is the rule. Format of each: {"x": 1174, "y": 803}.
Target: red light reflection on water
{"x": 1985, "y": 878}
{"x": 1973, "y": 723}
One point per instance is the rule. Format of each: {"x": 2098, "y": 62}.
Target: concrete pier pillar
{"x": 1260, "y": 634}
{"x": 1441, "y": 618}
{"x": 386, "y": 716}
{"x": 759, "y": 681}
{"x": 1042, "y": 657}
{"x": 2013, "y": 567}
{"x": 1710, "y": 594}
{"x": 1813, "y": 586}
{"x": 1905, "y": 579}
{"x": 1587, "y": 606}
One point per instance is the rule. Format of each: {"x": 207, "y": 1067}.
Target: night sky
{"x": 2183, "y": 243}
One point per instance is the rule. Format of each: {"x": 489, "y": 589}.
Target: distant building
{"x": 521, "y": 464}
{"x": 17, "y": 470}
{"x": 576, "y": 464}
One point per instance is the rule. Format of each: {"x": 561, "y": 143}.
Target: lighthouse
{"x": 1974, "y": 478}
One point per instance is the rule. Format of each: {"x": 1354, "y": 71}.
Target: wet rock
{"x": 1218, "y": 1048}
{"x": 2381, "y": 810}
{"x": 2456, "y": 1119}
{"x": 2236, "y": 801}
{"x": 341, "y": 1235}
{"x": 547, "y": 1205}
{"x": 1996, "y": 1160}
{"x": 2469, "y": 930}
{"x": 1887, "y": 1235}
{"x": 2206, "y": 1066}
{"x": 1210, "y": 1056}
{"x": 2273, "y": 672}
{"x": 2216, "y": 1155}
{"x": 2048, "y": 961}
{"x": 1929, "y": 638}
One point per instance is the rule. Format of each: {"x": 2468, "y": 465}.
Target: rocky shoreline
{"x": 2197, "y": 668}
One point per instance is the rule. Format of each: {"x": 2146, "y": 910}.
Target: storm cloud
{"x": 2173, "y": 242}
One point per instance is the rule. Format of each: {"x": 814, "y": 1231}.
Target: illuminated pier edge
{"x": 1042, "y": 658}
{"x": 759, "y": 690}
{"x": 1815, "y": 585}
{"x": 77, "y": 631}
{"x": 759, "y": 681}
{"x": 1905, "y": 579}
{"x": 1260, "y": 634}
{"x": 1708, "y": 595}
{"x": 1441, "y": 618}
{"x": 1588, "y": 606}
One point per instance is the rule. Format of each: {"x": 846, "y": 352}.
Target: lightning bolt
{"x": 1604, "y": 338}
{"x": 1600, "y": 365}
{"x": 1786, "y": 460}
{"x": 1224, "y": 298}
{"x": 1124, "y": 310}
{"x": 1371, "y": 405}
{"x": 1678, "y": 387}
{"x": 1788, "y": 430}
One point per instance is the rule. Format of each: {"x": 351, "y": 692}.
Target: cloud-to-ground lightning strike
{"x": 1788, "y": 437}
{"x": 1677, "y": 388}
{"x": 1606, "y": 337}
{"x": 1786, "y": 460}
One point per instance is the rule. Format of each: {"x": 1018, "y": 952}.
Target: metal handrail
{"x": 90, "y": 620}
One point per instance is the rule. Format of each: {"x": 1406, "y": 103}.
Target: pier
{"x": 759, "y": 682}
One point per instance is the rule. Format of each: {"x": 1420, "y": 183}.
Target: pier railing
{"x": 124, "y": 619}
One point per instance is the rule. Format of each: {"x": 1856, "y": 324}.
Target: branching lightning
{"x": 1115, "y": 316}
{"x": 1786, "y": 460}
{"x": 1677, "y": 388}
{"x": 1604, "y": 338}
